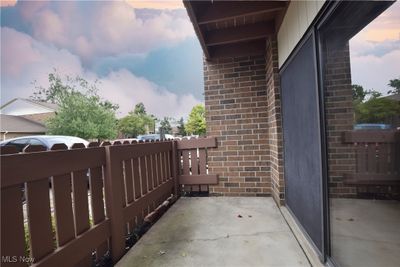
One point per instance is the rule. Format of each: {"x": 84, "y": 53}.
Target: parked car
{"x": 130, "y": 140}
{"x": 372, "y": 126}
{"x": 45, "y": 140}
{"x": 169, "y": 136}
{"x": 154, "y": 137}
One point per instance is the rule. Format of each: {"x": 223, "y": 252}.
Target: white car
{"x": 154, "y": 137}
{"x": 44, "y": 140}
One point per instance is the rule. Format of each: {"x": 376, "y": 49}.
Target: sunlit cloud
{"x": 103, "y": 28}
{"x": 375, "y": 51}
{"x": 161, "y": 4}
{"x": 385, "y": 27}
{"x": 166, "y": 4}
{"x": 4, "y": 3}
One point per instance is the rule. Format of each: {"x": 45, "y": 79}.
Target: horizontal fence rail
{"x": 193, "y": 168}
{"x": 377, "y": 157}
{"x": 80, "y": 206}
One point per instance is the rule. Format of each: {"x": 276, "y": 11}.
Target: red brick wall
{"x": 339, "y": 118}
{"x": 274, "y": 122}
{"x": 236, "y": 113}
{"x": 243, "y": 110}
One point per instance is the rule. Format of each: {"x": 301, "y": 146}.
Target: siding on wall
{"x": 298, "y": 17}
{"x": 21, "y": 107}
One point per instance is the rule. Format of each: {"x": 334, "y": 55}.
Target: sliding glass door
{"x": 359, "y": 55}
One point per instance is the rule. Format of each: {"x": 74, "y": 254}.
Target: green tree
{"x": 360, "y": 97}
{"x": 377, "y": 110}
{"x": 374, "y": 94}
{"x": 81, "y": 111}
{"x": 395, "y": 84}
{"x": 196, "y": 123}
{"x": 60, "y": 88}
{"x": 140, "y": 109}
{"x": 154, "y": 120}
{"x": 165, "y": 126}
{"x": 371, "y": 107}
{"x": 181, "y": 127}
{"x": 137, "y": 122}
{"x": 359, "y": 93}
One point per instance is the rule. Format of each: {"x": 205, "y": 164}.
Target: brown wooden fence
{"x": 377, "y": 157}
{"x": 74, "y": 239}
{"x": 61, "y": 227}
{"x": 193, "y": 167}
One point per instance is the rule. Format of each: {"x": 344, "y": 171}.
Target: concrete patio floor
{"x": 365, "y": 233}
{"x": 208, "y": 231}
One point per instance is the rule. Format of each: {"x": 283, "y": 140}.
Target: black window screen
{"x": 302, "y": 141}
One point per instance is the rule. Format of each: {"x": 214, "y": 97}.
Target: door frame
{"x": 310, "y": 33}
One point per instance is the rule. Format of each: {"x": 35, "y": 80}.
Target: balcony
{"x": 91, "y": 206}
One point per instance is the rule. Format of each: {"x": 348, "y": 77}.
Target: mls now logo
{"x": 9, "y": 258}
{"x": 12, "y": 259}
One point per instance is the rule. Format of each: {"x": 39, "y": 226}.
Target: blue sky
{"x": 167, "y": 66}
{"x": 139, "y": 52}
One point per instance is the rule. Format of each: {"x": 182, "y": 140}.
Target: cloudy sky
{"x": 144, "y": 51}
{"x": 375, "y": 51}
{"x": 139, "y": 51}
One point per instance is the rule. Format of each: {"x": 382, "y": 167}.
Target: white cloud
{"x": 374, "y": 72}
{"x": 375, "y": 51}
{"x": 126, "y": 89}
{"x": 361, "y": 47}
{"x": 163, "y": 4}
{"x": 4, "y": 3}
{"x": 385, "y": 26}
{"x": 109, "y": 27}
{"x": 24, "y": 60}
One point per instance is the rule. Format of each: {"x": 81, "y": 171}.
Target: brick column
{"x": 236, "y": 113}
{"x": 274, "y": 122}
{"x": 339, "y": 118}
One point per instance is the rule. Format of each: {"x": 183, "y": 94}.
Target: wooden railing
{"x": 73, "y": 239}
{"x": 68, "y": 221}
{"x": 146, "y": 178}
{"x": 193, "y": 167}
{"x": 377, "y": 157}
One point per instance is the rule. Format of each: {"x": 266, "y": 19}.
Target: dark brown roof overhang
{"x": 235, "y": 28}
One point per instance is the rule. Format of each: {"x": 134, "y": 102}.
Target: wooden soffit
{"x": 235, "y": 28}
